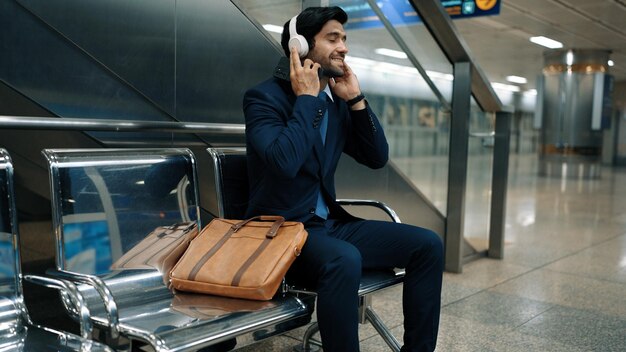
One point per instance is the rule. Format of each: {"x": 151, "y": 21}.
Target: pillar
{"x": 572, "y": 99}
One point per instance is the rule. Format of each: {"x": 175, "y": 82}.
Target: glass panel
{"x": 109, "y": 203}
{"x": 524, "y": 137}
{"x": 8, "y": 265}
{"x": 9, "y": 315}
{"x": 479, "y": 175}
{"x": 415, "y": 120}
{"x": 370, "y": 40}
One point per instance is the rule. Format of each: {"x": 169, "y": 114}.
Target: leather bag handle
{"x": 278, "y": 222}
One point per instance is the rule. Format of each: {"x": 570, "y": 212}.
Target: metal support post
{"x": 365, "y": 302}
{"x": 387, "y": 336}
{"x": 457, "y": 169}
{"x": 499, "y": 180}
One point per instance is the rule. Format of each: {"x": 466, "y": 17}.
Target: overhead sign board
{"x": 401, "y": 12}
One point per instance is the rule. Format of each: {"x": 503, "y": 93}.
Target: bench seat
{"x": 231, "y": 184}
{"x": 184, "y": 321}
{"x": 17, "y": 331}
{"x": 122, "y": 195}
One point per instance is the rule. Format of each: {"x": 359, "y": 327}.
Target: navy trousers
{"x": 331, "y": 263}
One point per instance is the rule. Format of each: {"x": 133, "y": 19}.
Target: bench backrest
{"x": 105, "y": 201}
{"x": 127, "y": 193}
{"x": 231, "y": 181}
{"x": 12, "y": 311}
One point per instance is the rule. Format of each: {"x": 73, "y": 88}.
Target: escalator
{"x": 145, "y": 61}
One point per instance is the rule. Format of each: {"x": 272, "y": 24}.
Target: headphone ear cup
{"x": 299, "y": 42}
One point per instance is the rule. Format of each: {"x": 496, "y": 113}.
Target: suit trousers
{"x": 331, "y": 262}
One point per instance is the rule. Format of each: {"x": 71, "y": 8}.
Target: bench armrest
{"x": 103, "y": 290}
{"x": 70, "y": 292}
{"x": 372, "y": 203}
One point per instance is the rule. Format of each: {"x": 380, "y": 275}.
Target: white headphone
{"x": 296, "y": 40}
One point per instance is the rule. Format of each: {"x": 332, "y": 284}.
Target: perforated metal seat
{"x": 231, "y": 184}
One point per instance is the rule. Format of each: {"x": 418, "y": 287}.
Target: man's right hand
{"x": 304, "y": 77}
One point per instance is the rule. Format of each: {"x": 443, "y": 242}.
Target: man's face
{"x": 330, "y": 48}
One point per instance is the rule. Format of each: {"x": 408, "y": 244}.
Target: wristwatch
{"x": 355, "y": 100}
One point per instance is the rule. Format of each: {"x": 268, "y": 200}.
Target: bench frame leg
{"x": 366, "y": 314}
{"x": 382, "y": 329}
{"x": 309, "y": 343}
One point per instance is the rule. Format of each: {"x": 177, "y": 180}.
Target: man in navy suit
{"x": 297, "y": 126}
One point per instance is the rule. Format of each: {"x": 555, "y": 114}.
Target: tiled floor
{"x": 560, "y": 287}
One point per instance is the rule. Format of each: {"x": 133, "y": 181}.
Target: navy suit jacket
{"x": 288, "y": 165}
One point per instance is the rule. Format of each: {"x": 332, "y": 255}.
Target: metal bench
{"x": 17, "y": 331}
{"x": 105, "y": 201}
{"x": 231, "y": 184}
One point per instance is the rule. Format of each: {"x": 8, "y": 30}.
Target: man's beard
{"x": 327, "y": 69}
{"x": 331, "y": 72}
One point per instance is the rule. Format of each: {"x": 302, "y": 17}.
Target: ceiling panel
{"x": 500, "y": 44}
{"x": 584, "y": 4}
{"x": 576, "y": 23}
{"x": 610, "y": 14}
{"x": 591, "y": 31}
{"x": 536, "y": 6}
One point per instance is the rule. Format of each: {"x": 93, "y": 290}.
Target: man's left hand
{"x": 347, "y": 87}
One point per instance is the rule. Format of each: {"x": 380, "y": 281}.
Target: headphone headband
{"x": 292, "y": 26}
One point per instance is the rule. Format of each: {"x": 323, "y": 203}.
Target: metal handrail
{"x": 53, "y": 123}
{"x": 445, "y": 33}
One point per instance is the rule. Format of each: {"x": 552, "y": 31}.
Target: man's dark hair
{"x": 310, "y": 22}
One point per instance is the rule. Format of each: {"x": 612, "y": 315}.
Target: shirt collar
{"x": 329, "y": 93}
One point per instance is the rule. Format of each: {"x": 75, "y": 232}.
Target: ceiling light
{"x": 569, "y": 58}
{"x": 273, "y": 28}
{"x": 506, "y": 87}
{"x": 547, "y": 42}
{"x": 440, "y": 75}
{"x": 517, "y": 79}
{"x": 611, "y": 63}
{"x": 393, "y": 53}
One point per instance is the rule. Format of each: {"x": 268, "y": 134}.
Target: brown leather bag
{"x": 241, "y": 259}
{"x": 161, "y": 249}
